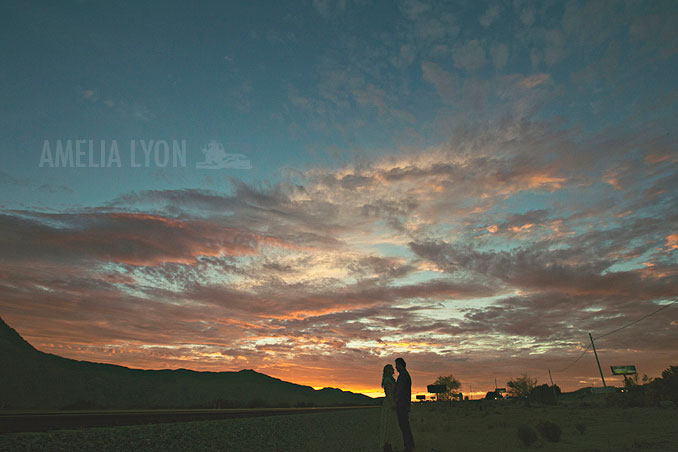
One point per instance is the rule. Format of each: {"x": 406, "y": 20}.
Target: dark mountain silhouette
{"x": 31, "y": 379}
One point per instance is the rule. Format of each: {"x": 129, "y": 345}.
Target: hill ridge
{"x": 33, "y": 379}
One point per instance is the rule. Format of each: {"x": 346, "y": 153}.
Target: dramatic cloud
{"x": 473, "y": 188}
{"x": 411, "y": 254}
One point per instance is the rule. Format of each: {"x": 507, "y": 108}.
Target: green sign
{"x": 623, "y": 370}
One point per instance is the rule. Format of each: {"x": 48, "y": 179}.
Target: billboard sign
{"x": 436, "y": 389}
{"x": 624, "y": 370}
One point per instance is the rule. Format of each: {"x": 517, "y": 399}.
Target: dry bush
{"x": 526, "y": 434}
{"x": 581, "y": 428}
{"x": 549, "y": 430}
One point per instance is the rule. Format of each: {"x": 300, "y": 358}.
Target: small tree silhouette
{"x": 451, "y": 383}
{"x": 669, "y": 382}
{"x": 521, "y": 386}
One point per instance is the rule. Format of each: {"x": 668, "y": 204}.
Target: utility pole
{"x": 555, "y": 396}
{"x": 599, "y": 369}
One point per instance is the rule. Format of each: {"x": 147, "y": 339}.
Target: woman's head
{"x": 388, "y": 373}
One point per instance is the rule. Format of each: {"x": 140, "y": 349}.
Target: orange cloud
{"x": 535, "y": 80}
{"x": 525, "y": 227}
{"x": 612, "y": 179}
{"x": 545, "y": 181}
{"x": 659, "y": 157}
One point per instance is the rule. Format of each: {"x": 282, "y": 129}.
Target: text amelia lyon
{"x": 106, "y": 154}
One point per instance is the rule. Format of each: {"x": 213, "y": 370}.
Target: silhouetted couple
{"x": 397, "y": 395}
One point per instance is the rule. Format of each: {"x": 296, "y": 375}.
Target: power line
{"x": 636, "y": 321}
{"x": 575, "y": 361}
{"x": 614, "y": 331}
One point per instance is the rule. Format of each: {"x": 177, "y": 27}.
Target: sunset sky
{"x": 472, "y": 186}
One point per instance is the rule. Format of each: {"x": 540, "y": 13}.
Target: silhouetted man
{"x": 403, "y": 394}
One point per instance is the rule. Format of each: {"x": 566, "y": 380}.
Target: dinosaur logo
{"x": 217, "y": 158}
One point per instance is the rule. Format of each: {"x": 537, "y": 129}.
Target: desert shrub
{"x": 652, "y": 392}
{"x": 526, "y": 434}
{"x": 581, "y": 428}
{"x": 634, "y": 397}
{"x": 614, "y": 400}
{"x": 544, "y": 394}
{"x": 670, "y": 384}
{"x": 658, "y": 389}
{"x": 549, "y": 430}
{"x": 631, "y": 398}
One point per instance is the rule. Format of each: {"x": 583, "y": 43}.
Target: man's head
{"x": 400, "y": 364}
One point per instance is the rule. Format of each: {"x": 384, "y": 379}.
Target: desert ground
{"x": 474, "y": 426}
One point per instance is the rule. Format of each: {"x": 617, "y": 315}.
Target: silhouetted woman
{"x": 387, "y": 424}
